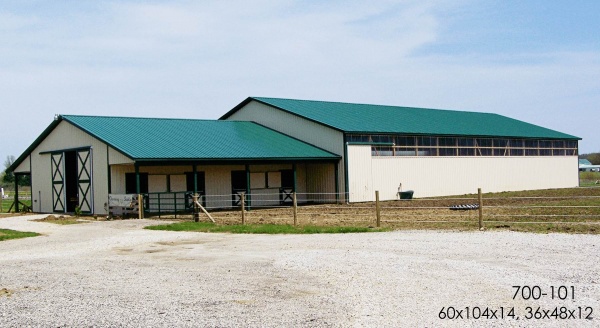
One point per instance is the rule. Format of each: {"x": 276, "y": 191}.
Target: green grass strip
{"x": 6, "y": 234}
{"x": 259, "y": 228}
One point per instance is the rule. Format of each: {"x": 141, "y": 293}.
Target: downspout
{"x": 346, "y": 188}
{"x": 137, "y": 178}
{"x": 248, "y": 198}
{"x": 195, "y": 170}
{"x": 337, "y": 183}
{"x": 108, "y": 173}
{"x": 295, "y": 176}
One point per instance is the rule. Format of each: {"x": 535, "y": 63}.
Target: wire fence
{"x": 7, "y": 201}
{"x": 575, "y": 206}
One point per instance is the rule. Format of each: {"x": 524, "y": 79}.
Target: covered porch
{"x": 168, "y": 186}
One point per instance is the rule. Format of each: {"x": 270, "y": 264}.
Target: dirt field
{"x": 116, "y": 274}
{"x": 558, "y": 210}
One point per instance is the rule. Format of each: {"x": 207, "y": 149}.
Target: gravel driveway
{"x": 116, "y": 274}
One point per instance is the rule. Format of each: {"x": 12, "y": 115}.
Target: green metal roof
{"x": 363, "y": 118}
{"x": 153, "y": 138}
{"x": 149, "y": 139}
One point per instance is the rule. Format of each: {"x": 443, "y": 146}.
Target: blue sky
{"x": 537, "y": 61}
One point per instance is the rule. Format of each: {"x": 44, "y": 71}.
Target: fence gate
{"x": 58, "y": 182}
{"x": 84, "y": 180}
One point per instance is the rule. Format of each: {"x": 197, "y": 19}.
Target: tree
{"x": 8, "y": 177}
{"x": 594, "y": 158}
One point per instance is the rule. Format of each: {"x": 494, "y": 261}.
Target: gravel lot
{"x": 119, "y": 275}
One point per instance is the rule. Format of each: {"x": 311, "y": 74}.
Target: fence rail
{"x": 580, "y": 207}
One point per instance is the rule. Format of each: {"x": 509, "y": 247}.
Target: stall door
{"x": 84, "y": 180}
{"x": 57, "y": 166}
{"x": 72, "y": 181}
{"x": 239, "y": 183}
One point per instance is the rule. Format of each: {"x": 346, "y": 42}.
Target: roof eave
{"x": 567, "y": 136}
{"x": 34, "y": 144}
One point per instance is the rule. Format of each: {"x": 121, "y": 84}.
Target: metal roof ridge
{"x": 376, "y": 105}
{"x": 66, "y": 116}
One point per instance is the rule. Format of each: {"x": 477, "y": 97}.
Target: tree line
{"x": 594, "y": 158}
{"x": 7, "y": 180}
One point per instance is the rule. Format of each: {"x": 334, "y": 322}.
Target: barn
{"x": 433, "y": 152}
{"x": 78, "y": 161}
{"x": 268, "y": 148}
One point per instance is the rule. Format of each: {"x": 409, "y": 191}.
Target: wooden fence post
{"x": 140, "y": 206}
{"x": 196, "y": 208}
{"x": 295, "y": 205}
{"x": 480, "y": 208}
{"x": 377, "y": 208}
{"x": 243, "y": 202}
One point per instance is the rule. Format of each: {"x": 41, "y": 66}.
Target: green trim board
{"x": 64, "y": 150}
{"x": 382, "y": 119}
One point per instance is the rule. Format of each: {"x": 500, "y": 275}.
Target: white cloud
{"x": 199, "y": 59}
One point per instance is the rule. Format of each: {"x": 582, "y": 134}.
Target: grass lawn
{"x": 6, "y": 234}
{"x": 258, "y": 228}
{"x": 6, "y": 203}
{"x": 589, "y": 179}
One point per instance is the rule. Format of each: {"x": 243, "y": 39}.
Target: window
{"x": 501, "y": 143}
{"x": 200, "y": 181}
{"x": 447, "y": 142}
{"x": 405, "y": 141}
{"x": 484, "y": 142}
{"x": 485, "y": 152}
{"x": 531, "y": 152}
{"x": 531, "y": 143}
{"x": 466, "y": 142}
{"x": 426, "y": 141}
{"x": 131, "y": 182}
{"x": 516, "y": 152}
{"x": 447, "y": 151}
{"x": 382, "y": 151}
{"x": 406, "y": 145}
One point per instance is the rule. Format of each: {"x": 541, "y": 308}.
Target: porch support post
{"x": 195, "y": 168}
{"x": 248, "y": 195}
{"x": 137, "y": 178}
{"x": 16, "y": 192}
{"x": 108, "y": 171}
{"x": 337, "y": 183}
{"x": 295, "y": 176}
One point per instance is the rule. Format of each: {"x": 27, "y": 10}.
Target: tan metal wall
{"x": 66, "y": 136}
{"x": 115, "y": 157}
{"x": 360, "y": 177}
{"x": 443, "y": 176}
{"x": 320, "y": 182}
{"x": 297, "y": 127}
{"x": 24, "y": 167}
{"x": 217, "y": 179}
